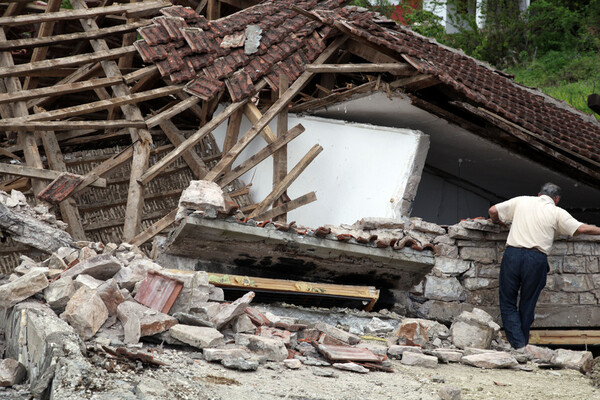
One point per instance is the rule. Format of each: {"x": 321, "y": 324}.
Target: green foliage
{"x": 66, "y": 4}
{"x": 424, "y": 22}
{"x": 383, "y": 7}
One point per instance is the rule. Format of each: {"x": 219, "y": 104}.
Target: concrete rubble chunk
{"x": 324, "y": 372}
{"x": 447, "y": 355}
{"x": 540, "y": 353}
{"x": 12, "y": 372}
{"x": 197, "y": 336}
{"x": 151, "y": 321}
{"x": 240, "y": 364}
{"x": 337, "y": 333}
{"x": 272, "y": 349}
{"x": 579, "y": 360}
{"x": 85, "y": 312}
{"x": 396, "y": 351}
{"x": 56, "y": 262}
{"x": 103, "y": 267}
{"x": 22, "y": 288}
{"x": 449, "y": 393}
{"x": 136, "y": 271}
{"x": 194, "y": 293}
{"x": 351, "y": 367}
{"x": 473, "y": 329}
{"x": 111, "y": 294}
{"x": 497, "y": 359}
{"x": 191, "y": 319}
{"x": 86, "y": 253}
{"x": 222, "y": 354}
{"x": 132, "y": 330}
{"x": 59, "y": 292}
{"x": 421, "y": 360}
{"x": 242, "y": 324}
{"x": 87, "y": 280}
{"x": 202, "y": 195}
{"x": 378, "y": 326}
{"x": 232, "y": 310}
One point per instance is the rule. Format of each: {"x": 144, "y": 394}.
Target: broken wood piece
{"x": 275, "y": 109}
{"x": 258, "y": 284}
{"x": 131, "y": 9}
{"x": 564, "y": 336}
{"x": 260, "y": 156}
{"x": 67, "y": 125}
{"x": 104, "y": 168}
{"x": 154, "y": 229}
{"x": 333, "y": 98}
{"x": 37, "y": 173}
{"x": 158, "y": 292}
{"x": 288, "y": 180}
{"x": 192, "y": 159}
{"x": 254, "y": 115}
{"x": 416, "y": 82}
{"x": 280, "y": 157}
{"x": 25, "y": 69}
{"x": 60, "y": 188}
{"x": 365, "y": 67}
{"x": 172, "y": 111}
{"x": 287, "y": 207}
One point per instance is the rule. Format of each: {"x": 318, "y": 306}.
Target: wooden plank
{"x": 71, "y": 37}
{"x": 564, "y": 336}
{"x": 368, "y": 53}
{"x": 38, "y": 173}
{"x": 280, "y": 164}
{"x": 191, "y": 141}
{"x": 366, "y": 67}
{"x": 104, "y": 168}
{"x": 141, "y": 151}
{"x": 260, "y": 156}
{"x": 233, "y": 131}
{"x": 275, "y": 109}
{"x": 284, "y": 285}
{"x": 254, "y": 115}
{"x": 171, "y": 112}
{"x": 127, "y": 40}
{"x": 140, "y": 74}
{"x": 213, "y": 10}
{"x": 100, "y": 105}
{"x": 288, "y": 180}
{"x": 26, "y": 69}
{"x": 57, "y": 90}
{"x": 192, "y": 159}
{"x": 68, "y": 208}
{"x": 333, "y": 98}
{"x": 68, "y": 125}
{"x": 26, "y": 140}
{"x": 286, "y": 207}
{"x": 154, "y": 229}
{"x": 131, "y": 9}
{"x": 416, "y": 82}
{"x": 39, "y": 53}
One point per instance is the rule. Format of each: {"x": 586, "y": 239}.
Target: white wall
{"x": 361, "y": 172}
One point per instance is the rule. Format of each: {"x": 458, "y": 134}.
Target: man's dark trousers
{"x": 524, "y": 270}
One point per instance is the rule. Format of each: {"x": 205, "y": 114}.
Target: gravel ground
{"x": 189, "y": 377}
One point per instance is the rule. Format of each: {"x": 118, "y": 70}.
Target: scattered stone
{"x": 272, "y": 349}
{"x": 449, "y": 393}
{"x": 498, "y": 359}
{"x": 132, "y": 330}
{"x": 377, "y": 326}
{"x": 351, "y": 367}
{"x": 538, "y": 353}
{"x": 136, "y": 271}
{"x": 396, "y": 351}
{"x": 240, "y": 364}
{"x": 243, "y": 324}
{"x": 12, "y": 372}
{"x": 85, "y": 312}
{"x": 202, "y": 195}
{"x": 337, "y": 333}
{"x": 151, "y": 389}
{"x": 111, "y": 295}
{"x": 103, "y": 267}
{"x": 222, "y": 354}
{"x": 56, "y": 262}
{"x": 292, "y": 363}
{"x": 216, "y": 294}
{"x": 447, "y": 356}
{"x": 326, "y": 373}
{"x": 421, "y": 360}
{"x": 578, "y": 360}
{"x": 23, "y": 287}
{"x": 59, "y": 292}
{"x": 191, "y": 319}
{"x": 151, "y": 321}
{"x": 232, "y": 310}
{"x": 416, "y": 331}
{"x": 87, "y": 280}
{"x": 473, "y": 329}
{"x": 197, "y": 336}
{"x": 86, "y": 253}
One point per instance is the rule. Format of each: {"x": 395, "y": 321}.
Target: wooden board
{"x": 564, "y": 337}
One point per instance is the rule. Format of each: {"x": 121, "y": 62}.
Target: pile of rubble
{"x": 98, "y": 291}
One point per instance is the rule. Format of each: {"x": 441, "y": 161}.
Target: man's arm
{"x": 494, "y": 216}
{"x": 586, "y": 229}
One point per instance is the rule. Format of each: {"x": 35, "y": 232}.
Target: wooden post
{"x": 213, "y": 9}
{"x": 280, "y": 156}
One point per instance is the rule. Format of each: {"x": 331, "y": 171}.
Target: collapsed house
{"x": 362, "y": 118}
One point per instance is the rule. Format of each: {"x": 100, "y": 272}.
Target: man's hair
{"x": 550, "y": 189}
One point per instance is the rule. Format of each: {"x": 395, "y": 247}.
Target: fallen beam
{"x": 69, "y": 125}
{"x": 354, "y": 68}
{"x": 286, "y": 207}
{"x": 565, "y": 337}
{"x": 48, "y": 174}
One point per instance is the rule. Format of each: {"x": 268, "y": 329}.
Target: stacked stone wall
{"x": 467, "y": 267}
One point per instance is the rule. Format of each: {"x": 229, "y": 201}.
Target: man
{"x": 536, "y": 221}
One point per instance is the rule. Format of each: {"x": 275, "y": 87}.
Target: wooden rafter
{"x": 397, "y": 68}
{"x": 280, "y": 162}
{"x": 39, "y": 173}
{"x": 284, "y": 208}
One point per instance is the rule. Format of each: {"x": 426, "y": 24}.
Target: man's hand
{"x": 494, "y": 217}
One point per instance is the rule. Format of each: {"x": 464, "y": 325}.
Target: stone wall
{"x": 466, "y": 272}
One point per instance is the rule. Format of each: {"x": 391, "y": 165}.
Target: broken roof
{"x": 293, "y": 34}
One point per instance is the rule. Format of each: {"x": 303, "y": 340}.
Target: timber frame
{"x": 77, "y": 96}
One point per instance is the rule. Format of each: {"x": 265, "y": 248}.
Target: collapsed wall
{"x": 467, "y": 266}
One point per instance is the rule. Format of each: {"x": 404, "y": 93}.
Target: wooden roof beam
{"x": 394, "y": 68}
{"x": 39, "y": 173}
{"x": 27, "y": 126}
